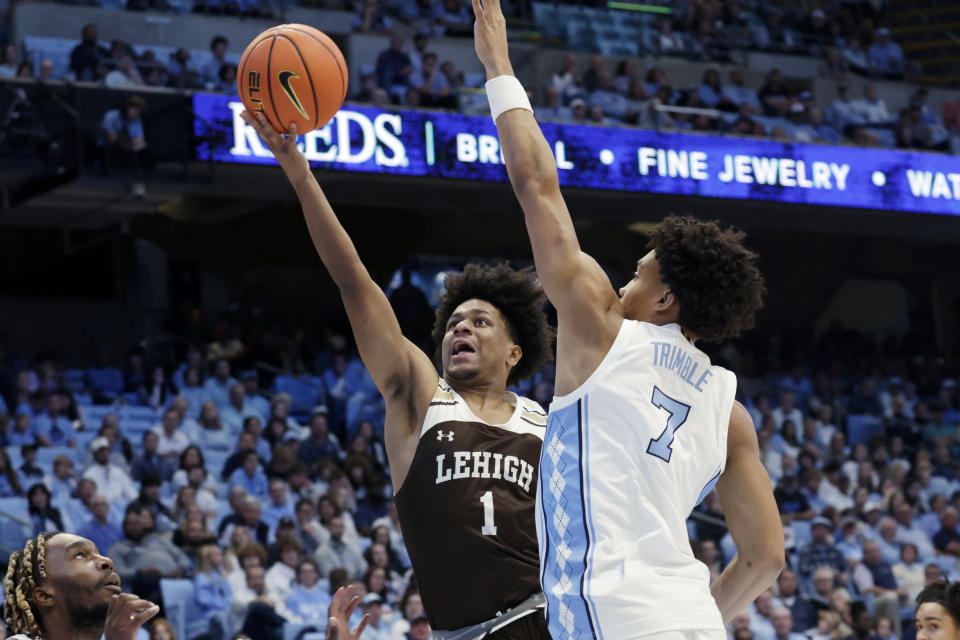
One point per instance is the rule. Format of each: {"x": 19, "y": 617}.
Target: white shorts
{"x": 687, "y": 634}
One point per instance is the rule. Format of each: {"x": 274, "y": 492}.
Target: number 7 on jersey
{"x": 662, "y": 447}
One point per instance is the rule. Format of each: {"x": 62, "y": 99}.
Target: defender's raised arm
{"x": 574, "y": 282}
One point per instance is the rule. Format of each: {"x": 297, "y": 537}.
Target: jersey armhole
{"x": 726, "y": 414}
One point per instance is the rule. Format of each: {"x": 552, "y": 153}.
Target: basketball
{"x": 293, "y": 73}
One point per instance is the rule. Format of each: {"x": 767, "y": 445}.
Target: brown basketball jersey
{"x": 466, "y": 509}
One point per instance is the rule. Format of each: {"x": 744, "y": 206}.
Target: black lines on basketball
{"x": 343, "y": 81}
{"x": 306, "y": 68}
{"x": 282, "y": 126}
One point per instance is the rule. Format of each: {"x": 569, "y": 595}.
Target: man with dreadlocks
{"x": 463, "y": 451}
{"x": 60, "y": 588}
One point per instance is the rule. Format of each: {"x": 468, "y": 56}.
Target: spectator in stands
{"x": 738, "y": 94}
{"x": 212, "y": 434}
{"x": 393, "y": 67}
{"x": 63, "y": 482}
{"x": 250, "y": 476}
{"x": 142, "y": 558}
{"x": 855, "y": 57}
{"x": 125, "y": 141}
{"x": 372, "y": 18}
{"x": 874, "y": 576}
{"x": 624, "y": 76}
{"x": 565, "y": 80}
{"x": 774, "y": 95}
{"x": 947, "y": 539}
{"x": 736, "y": 32}
{"x": 909, "y": 572}
{"x": 227, "y": 78}
{"x": 171, "y": 440}
{"x": 43, "y": 516}
{"x": 52, "y": 428}
{"x": 310, "y": 533}
{"x": 783, "y": 625}
{"x": 845, "y": 110}
{"x": 710, "y": 92}
{"x": 455, "y": 19}
{"x": 793, "y": 503}
{"x": 321, "y": 444}
{"x": 100, "y": 528}
{"x": 111, "y": 480}
{"x": 432, "y": 84}
{"x": 149, "y": 462}
{"x": 668, "y": 41}
{"x": 210, "y": 72}
{"x": 259, "y": 405}
{"x": 237, "y": 410}
{"x": 10, "y": 60}
{"x": 87, "y": 58}
{"x": 554, "y": 110}
{"x": 279, "y": 505}
{"x": 309, "y": 598}
{"x": 282, "y": 573}
{"x": 606, "y": 97}
{"x": 247, "y": 554}
{"x": 22, "y": 431}
{"x": 335, "y": 552}
{"x": 252, "y": 590}
{"x": 125, "y": 73}
{"x": 872, "y": 110}
{"x": 886, "y": 57}
{"x": 820, "y": 552}
{"x": 824, "y": 132}
{"x": 29, "y": 471}
{"x": 804, "y": 615}
{"x": 213, "y": 592}
{"x": 761, "y": 616}
{"x": 817, "y": 31}
{"x": 217, "y": 386}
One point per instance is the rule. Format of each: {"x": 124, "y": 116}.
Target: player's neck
{"x": 58, "y": 627}
{"x": 484, "y": 398}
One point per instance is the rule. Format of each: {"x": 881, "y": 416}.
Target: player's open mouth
{"x": 112, "y": 583}
{"x": 461, "y": 349}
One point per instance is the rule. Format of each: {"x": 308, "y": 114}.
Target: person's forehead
{"x": 931, "y": 610}
{"x": 65, "y": 542}
{"x": 474, "y": 306}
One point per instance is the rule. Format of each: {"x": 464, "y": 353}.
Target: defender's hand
{"x": 284, "y": 149}
{"x": 490, "y": 38}
{"x": 341, "y": 608}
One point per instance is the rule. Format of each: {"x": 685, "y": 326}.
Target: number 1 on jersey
{"x": 662, "y": 447}
{"x": 488, "y": 529}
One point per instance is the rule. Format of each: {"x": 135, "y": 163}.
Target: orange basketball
{"x": 293, "y": 73}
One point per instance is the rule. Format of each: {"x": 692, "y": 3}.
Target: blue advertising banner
{"x": 445, "y": 145}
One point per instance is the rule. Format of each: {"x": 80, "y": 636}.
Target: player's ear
{"x": 666, "y": 300}
{"x": 43, "y": 597}
{"x": 514, "y": 355}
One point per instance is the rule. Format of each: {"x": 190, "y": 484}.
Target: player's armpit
{"x": 751, "y": 513}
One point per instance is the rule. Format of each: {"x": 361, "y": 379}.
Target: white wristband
{"x": 505, "y": 93}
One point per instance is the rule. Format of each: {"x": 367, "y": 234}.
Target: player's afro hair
{"x": 519, "y": 298}
{"x": 713, "y": 275}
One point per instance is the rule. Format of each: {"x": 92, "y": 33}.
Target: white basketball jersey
{"x": 626, "y": 457}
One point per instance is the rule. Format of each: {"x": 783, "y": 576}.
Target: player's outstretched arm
{"x": 396, "y": 365}
{"x": 751, "y": 512}
{"x": 574, "y": 282}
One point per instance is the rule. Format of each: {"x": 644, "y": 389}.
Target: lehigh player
{"x": 463, "y": 451}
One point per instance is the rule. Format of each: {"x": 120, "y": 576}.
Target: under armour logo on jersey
{"x": 441, "y": 436}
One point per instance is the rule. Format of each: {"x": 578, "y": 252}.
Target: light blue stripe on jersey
{"x": 564, "y": 526}
{"x": 709, "y": 487}
{"x": 591, "y": 530}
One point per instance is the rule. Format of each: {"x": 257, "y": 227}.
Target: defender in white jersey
{"x": 643, "y": 425}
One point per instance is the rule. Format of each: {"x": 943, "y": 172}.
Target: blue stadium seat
{"x": 108, "y": 381}
{"x": 293, "y": 631}
{"x": 304, "y": 393}
{"x": 73, "y": 380}
{"x": 862, "y": 427}
{"x": 180, "y": 604}
{"x": 46, "y": 456}
{"x": 16, "y": 459}
{"x": 94, "y": 414}
{"x": 13, "y": 535}
{"x": 16, "y": 507}
{"x": 801, "y": 533}
{"x": 139, "y": 413}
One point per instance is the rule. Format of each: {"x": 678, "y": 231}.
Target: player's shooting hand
{"x": 284, "y": 149}
{"x": 342, "y": 606}
{"x": 125, "y": 615}
{"x": 490, "y": 38}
